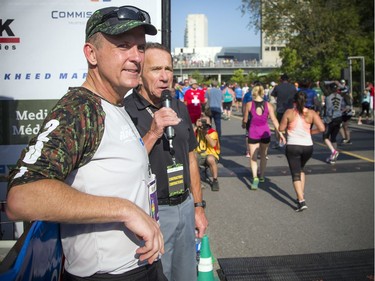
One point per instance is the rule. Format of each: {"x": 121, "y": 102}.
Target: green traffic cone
{"x": 205, "y": 267}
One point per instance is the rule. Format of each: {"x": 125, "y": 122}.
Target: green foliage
{"x": 320, "y": 34}
{"x": 238, "y": 77}
{"x": 251, "y": 77}
{"x": 197, "y": 76}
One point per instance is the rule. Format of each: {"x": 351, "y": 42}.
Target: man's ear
{"x": 90, "y": 54}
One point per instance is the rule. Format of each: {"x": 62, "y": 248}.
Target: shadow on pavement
{"x": 278, "y": 193}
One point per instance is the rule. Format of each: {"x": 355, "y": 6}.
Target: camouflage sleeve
{"x": 67, "y": 140}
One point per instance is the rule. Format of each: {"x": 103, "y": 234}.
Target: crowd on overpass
{"x": 219, "y": 63}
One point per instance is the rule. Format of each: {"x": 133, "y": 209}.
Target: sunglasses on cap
{"x": 124, "y": 13}
{"x": 127, "y": 13}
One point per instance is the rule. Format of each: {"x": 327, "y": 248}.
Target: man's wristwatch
{"x": 200, "y": 204}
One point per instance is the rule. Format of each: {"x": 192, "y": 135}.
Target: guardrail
{"x": 222, "y": 64}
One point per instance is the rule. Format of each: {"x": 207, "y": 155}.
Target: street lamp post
{"x": 180, "y": 62}
{"x": 362, "y": 72}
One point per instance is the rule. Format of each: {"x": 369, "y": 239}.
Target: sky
{"x": 226, "y": 25}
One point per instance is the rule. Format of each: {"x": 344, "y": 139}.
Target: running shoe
{"x": 215, "y": 185}
{"x": 262, "y": 179}
{"x": 334, "y": 155}
{"x": 346, "y": 142}
{"x": 266, "y": 157}
{"x": 301, "y": 206}
{"x": 254, "y": 185}
{"x": 330, "y": 161}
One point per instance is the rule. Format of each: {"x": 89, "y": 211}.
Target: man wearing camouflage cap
{"x": 88, "y": 168}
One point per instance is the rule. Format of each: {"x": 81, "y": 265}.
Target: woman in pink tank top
{"x": 259, "y": 135}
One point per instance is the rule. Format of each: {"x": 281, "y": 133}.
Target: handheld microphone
{"x": 166, "y": 101}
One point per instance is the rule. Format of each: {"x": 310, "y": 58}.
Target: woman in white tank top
{"x": 298, "y": 123}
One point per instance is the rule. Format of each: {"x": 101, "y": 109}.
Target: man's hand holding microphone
{"x": 165, "y": 117}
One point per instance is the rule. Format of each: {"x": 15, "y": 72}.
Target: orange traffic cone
{"x": 205, "y": 266}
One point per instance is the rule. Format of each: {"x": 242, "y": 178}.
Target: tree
{"x": 197, "y": 76}
{"x": 319, "y": 35}
{"x": 238, "y": 77}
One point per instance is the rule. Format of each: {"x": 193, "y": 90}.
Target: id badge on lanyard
{"x": 176, "y": 184}
{"x": 153, "y": 198}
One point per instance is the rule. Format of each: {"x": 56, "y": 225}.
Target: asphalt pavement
{"x": 340, "y": 200}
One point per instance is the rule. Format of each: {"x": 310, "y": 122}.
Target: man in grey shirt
{"x": 214, "y": 99}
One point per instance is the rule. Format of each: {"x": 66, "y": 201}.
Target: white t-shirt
{"x": 119, "y": 168}
{"x": 94, "y": 147}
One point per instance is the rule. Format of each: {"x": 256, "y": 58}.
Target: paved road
{"x": 340, "y": 199}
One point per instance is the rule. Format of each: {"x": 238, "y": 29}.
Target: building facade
{"x": 196, "y": 48}
{"x": 196, "y": 31}
{"x": 270, "y": 51}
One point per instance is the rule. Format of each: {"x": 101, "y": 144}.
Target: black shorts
{"x": 365, "y": 107}
{"x": 332, "y": 129}
{"x": 254, "y": 141}
{"x": 346, "y": 118}
{"x": 227, "y": 105}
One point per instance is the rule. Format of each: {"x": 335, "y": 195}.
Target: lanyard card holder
{"x": 176, "y": 184}
{"x": 153, "y": 198}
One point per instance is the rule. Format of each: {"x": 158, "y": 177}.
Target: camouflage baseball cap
{"x": 117, "y": 20}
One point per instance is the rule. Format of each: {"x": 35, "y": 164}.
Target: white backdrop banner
{"x": 41, "y": 55}
{"x": 41, "y": 44}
